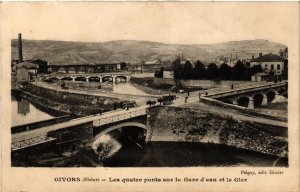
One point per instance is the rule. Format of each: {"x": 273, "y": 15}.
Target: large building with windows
{"x": 270, "y": 63}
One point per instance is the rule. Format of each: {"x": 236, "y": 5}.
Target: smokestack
{"x": 20, "y": 48}
{"x": 252, "y": 56}
{"x": 260, "y": 54}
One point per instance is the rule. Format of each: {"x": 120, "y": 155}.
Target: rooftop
{"x": 268, "y": 58}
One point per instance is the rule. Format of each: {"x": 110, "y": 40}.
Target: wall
{"x": 22, "y": 75}
{"x": 199, "y": 83}
{"x": 197, "y": 125}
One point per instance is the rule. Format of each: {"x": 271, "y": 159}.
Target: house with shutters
{"x": 271, "y": 64}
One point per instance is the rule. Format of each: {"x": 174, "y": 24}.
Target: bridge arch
{"x": 121, "y": 78}
{"x": 282, "y": 92}
{"x": 49, "y": 79}
{"x": 258, "y": 99}
{"x": 66, "y": 78}
{"x": 243, "y": 101}
{"x": 120, "y": 126}
{"x": 94, "y": 79}
{"x": 270, "y": 95}
{"x": 81, "y": 78}
{"x": 108, "y": 79}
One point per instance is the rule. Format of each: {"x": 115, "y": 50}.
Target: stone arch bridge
{"x": 252, "y": 96}
{"x": 93, "y": 77}
{"x": 81, "y": 131}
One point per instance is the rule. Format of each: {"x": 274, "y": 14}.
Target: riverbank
{"x": 67, "y": 103}
{"x": 200, "y": 125}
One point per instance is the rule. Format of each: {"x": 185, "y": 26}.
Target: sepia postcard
{"x": 149, "y": 96}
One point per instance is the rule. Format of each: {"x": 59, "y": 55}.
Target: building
{"x": 259, "y": 77}
{"x": 25, "y": 71}
{"x": 272, "y": 64}
{"x": 43, "y": 65}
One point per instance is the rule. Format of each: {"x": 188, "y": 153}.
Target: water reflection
{"x": 23, "y": 112}
{"x": 23, "y": 107}
{"x": 183, "y": 154}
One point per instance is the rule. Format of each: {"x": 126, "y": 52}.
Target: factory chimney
{"x": 20, "y": 48}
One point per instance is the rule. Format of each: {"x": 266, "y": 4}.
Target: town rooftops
{"x": 25, "y": 64}
{"x": 268, "y": 58}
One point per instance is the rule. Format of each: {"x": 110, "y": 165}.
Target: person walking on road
{"x": 186, "y": 98}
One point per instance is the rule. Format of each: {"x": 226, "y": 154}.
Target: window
{"x": 272, "y": 67}
{"x": 278, "y": 66}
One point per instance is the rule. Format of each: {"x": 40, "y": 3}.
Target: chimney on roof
{"x": 20, "y": 48}
{"x": 252, "y": 56}
{"x": 236, "y": 56}
{"x": 260, "y": 54}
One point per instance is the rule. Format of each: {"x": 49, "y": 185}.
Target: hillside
{"x": 63, "y": 52}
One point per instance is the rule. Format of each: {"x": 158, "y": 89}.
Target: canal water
{"x": 129, "y": 154}
{"x": 23, "y": 112}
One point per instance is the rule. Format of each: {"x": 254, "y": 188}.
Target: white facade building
{"x": 269, "y": 63}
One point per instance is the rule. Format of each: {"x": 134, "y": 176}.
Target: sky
{"x": 179, "y": 23}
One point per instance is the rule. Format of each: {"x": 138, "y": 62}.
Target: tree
{"x": 255, "y": 69}
{"x": 159, "y": 74}
{"x": 225, "y": 72}
{"x": 188, "y": 70}
{"x": 212, "y": 71}
{"x": 199, "y": 70}
{"x": 177, "y": 68}
{"x": 239, "y": 71}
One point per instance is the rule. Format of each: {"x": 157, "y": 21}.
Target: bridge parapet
{"x": 247, "y": 89}
{"x": 122, "y": 116}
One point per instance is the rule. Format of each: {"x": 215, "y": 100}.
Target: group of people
{"x": 124, "y": 105}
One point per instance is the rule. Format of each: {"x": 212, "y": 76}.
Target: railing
{"x": 37, "y": 125}
{"x": 30, "y": 142}
{"x": 245, "y": 89}
{"x": 35, "y": 137}
{"x": 119, "y": 117}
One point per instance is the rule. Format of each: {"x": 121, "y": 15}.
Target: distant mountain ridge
{"x": 67, "y": 52}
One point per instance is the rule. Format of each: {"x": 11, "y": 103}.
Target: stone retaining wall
{"x": 196, "y": 125}
{"x": 241, "y": 109}
{"x": 205, "y": 84}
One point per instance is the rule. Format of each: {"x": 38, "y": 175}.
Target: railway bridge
{"x": 113, "y": 77}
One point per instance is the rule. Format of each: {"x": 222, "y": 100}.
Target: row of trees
{"x": 212, "y": 72}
